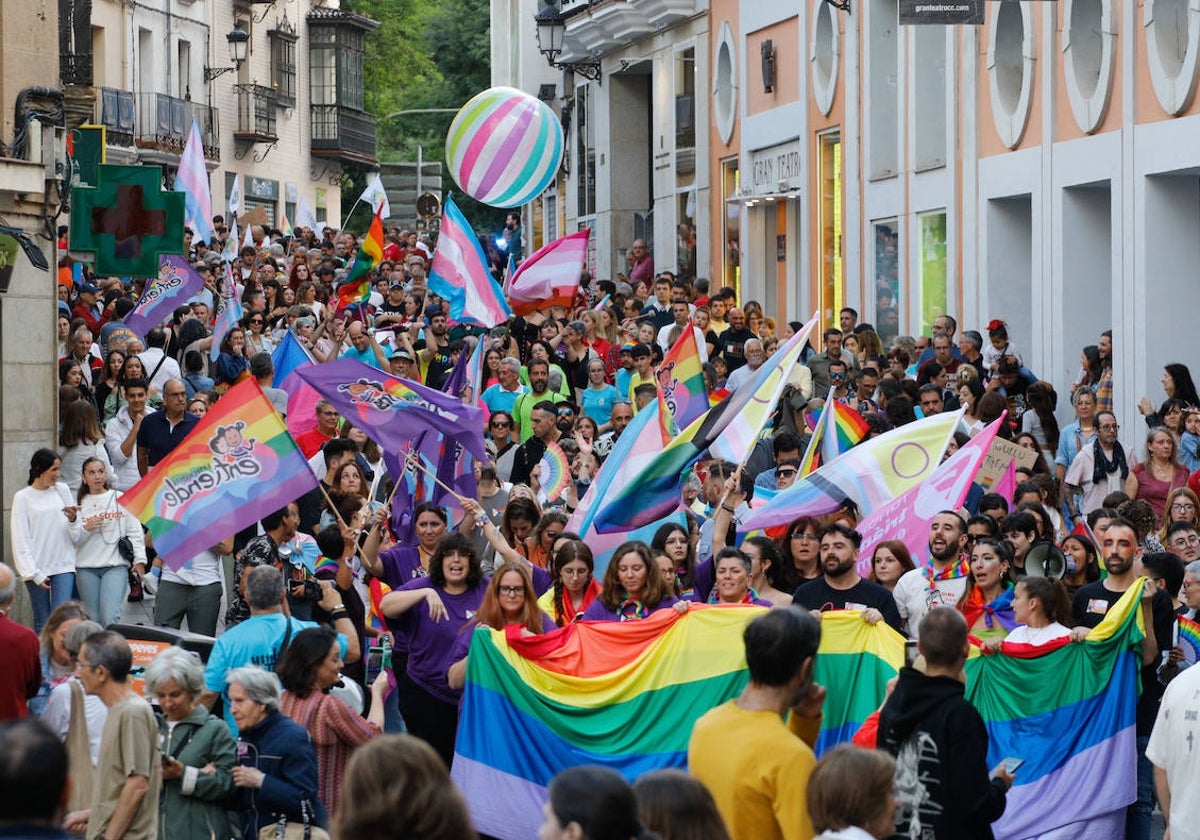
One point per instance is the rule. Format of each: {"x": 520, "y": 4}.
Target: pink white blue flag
{"x": 459, "y": 274}
{"x": 192, "y": 181}
{"x": 229, "y": 312}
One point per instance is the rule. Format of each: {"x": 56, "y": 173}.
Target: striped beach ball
{"x": 504, "y": 147}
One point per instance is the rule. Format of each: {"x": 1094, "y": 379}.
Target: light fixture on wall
{"x": 239, "y": 43}
{"x": 768, "y": 66}
{"x": 551, "y": 29}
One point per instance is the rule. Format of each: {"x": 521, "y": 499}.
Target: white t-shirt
{"x": 1037, "y": 636}
{"x": 915, "y": 597}
{"x": 1176, "y": 730}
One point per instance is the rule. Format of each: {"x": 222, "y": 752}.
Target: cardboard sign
{"x": 999, "y": 455}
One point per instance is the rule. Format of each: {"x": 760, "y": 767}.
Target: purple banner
{"x": 176, "y": 282}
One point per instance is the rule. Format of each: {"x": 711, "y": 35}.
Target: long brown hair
{"x": 569, "y": 552}
{"x": 491, "y": 614}
{"x": 613, "y": 593}
{"x": 80, "y": 425}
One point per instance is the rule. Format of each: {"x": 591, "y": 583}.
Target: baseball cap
{"x": 86, "y": 288}
{"x": 401, "y": 353}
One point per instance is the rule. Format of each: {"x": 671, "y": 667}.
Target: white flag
{"x": 305, "y": 217}
{"x": 235, "y": 196}
{"x": 375, "y": 195}
{"x": 249, "y": 240}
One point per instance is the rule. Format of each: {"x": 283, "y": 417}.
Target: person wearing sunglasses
{"x": 500, "y": 432}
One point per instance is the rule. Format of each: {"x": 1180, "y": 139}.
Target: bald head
{"x": 8, "y": 585}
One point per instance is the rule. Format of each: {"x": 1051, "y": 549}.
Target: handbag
{"x": 125, "y": 549}
{"x": 291, "y": 830}
{"x": 79, "y": 752}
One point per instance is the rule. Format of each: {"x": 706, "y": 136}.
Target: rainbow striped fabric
{"x": 554, "y": 472}
{"x": 854, "y": 663}
{"x": 1069, "y": 710}
{"x": 619, "y": 694}
{"x": 237, "y": 465}
{"x": 680, "y": 379}
{"x": 1189, "y": 640}
{"x": 356, "y": 288}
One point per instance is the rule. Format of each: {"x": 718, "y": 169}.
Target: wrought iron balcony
{"x": 75, "y": 69}
{"x": 256, "y": 114}
{"x": 343, "y": 133}
{"x": 163, "y": 123}
{"x": 118, "y": 111}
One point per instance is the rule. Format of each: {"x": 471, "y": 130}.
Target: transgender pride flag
{"x": 192, "y": 181}
{"x": 459, "y": 274}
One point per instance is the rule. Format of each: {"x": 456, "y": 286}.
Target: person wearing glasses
{"x": 257, "y": 339}
{"x": 1190, "y": 592}
{"x": 510, "y": 599}
{"x": 1100, "y": 468}
{"x": 1182, "y": 540}
{"x": 311, "y": 441}
{"x": 499, "y": 435}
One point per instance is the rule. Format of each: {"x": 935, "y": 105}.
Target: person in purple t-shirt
{"x": 633, "y": 587}
{"x": 428, "y": 613}
{"x": 733, "y": 569}
{"x": 510, "y": 599}
{"x": 402, "y": 563}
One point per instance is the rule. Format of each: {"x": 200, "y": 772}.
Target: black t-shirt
{"x": 731, "y": 344}
{"x": 1091, "y": 604}
{"x": 818, "y": 595}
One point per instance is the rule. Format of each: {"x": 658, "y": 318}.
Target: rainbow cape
{"x": 854, "y": 663}
{"x": 1069, "y": 711}
{"x": 621, "y": 694}
{"x": 237, "y": 465}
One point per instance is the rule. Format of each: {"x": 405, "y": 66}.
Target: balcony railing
{"x": 117, "y": 114}
{"x": 163, "y": 123}
{"x": 256, "y": 114}
{"x": 343, "y": 133}
{"x": 75, "y": 68}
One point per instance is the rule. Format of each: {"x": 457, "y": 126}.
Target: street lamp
{"x": 239, "y": 44}
{"x": 551, "y": 29}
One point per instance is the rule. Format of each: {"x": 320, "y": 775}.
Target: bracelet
{"x": 338, "y": 612}
{"x": 727, "y": 508}
{"x": 482, "y": 520}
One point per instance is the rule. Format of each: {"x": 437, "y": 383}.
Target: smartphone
{"x": 1012, "y": 764}
{"x": 910, "y": 653}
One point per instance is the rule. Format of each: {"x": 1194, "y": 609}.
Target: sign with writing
{"x": 999, "y": 455}
{"x": 963, "y": 12}
{"x": 769, "y": 166}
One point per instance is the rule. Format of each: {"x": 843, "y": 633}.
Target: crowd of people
{"x": 293, "y": 719}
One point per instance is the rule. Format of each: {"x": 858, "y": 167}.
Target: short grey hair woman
{"x": 260, "y": 686}
{"x": 198, "y": 752}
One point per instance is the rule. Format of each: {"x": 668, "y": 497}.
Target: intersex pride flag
{"x": 237, "y": 465}
{"x": 176, "y": 282}
{"x": 392, "y": 411}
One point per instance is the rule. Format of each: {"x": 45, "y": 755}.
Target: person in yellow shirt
{"x": 643, "y": 368}
{"x": 754, "y": 763}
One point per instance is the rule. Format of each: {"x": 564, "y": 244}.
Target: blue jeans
{"x": 46, "y": 601}
{"x": 1137, "y": 817}
{"x": 104, "y": 591}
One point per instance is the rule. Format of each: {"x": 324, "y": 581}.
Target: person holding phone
{"x": 43, "y": 552}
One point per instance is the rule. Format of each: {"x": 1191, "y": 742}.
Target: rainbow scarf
{"x": 958, "y": 570}
{"x": 999, "y": 610}
{"x": 750, "y": 597}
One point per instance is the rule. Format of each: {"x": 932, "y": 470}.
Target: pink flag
{"x": 191, "y": 179}
{"x": 1007, "y": 485}
{"x": 550, "y": 277}
{"x": 907, "y": 517}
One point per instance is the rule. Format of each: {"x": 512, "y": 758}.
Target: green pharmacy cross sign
{"x": 128, "y": 221}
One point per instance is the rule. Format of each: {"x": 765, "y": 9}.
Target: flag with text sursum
{"x": 236, "y": 466}
{"x": 549, "y": 276}
{"x": 176, "y": 282}
{"x": 459, "y": 274}
{"x": 191, "y": 179}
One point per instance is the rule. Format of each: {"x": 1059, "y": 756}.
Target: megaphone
{"x": 1046, "y": 560}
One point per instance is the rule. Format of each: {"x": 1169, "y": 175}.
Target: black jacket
{"x": 940, "y": 744}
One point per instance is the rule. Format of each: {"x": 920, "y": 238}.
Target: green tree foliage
{"x": 425, "y": 54}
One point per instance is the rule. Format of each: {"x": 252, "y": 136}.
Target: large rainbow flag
{"x": 854, "y": 663}
{"x": 1069, "y": 710}
{"x": 620, "y": 694}
{"x": 237, "y": 465}
{"x": 680, "y": 379}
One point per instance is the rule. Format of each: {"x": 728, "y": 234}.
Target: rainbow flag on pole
{"x": 356, "y": 288}
{"x": 237, "y": 465}
{"x": 1069, "y": 710}
{"x": 620, "y": 694}
{"x": 681, "y": 379}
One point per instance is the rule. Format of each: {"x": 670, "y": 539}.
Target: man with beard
{"x": 939, "y": 581}
{"x": 1122, "y": 557}
{"x": 841, "y": 587}
{"x": 543, "y": 422}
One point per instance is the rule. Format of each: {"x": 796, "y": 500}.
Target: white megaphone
{"x": 1046, "y": 560}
